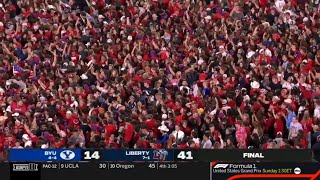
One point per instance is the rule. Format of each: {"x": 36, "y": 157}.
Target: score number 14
{"x": 94, "y": 155}
{"x": 185, "y": 155}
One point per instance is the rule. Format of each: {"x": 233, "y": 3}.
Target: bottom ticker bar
{"x": 128, "y": 170}
{"x": 162, "y": 170}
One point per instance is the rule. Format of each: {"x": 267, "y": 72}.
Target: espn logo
{"x": 25, "y": 167}
{"x": 223, "y": 166}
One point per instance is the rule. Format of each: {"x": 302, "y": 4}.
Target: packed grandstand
{"x": 217, "y": 74}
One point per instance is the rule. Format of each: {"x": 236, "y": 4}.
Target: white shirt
{"x": 195, "y": 90}
{"x": 196, "y": 140}
{"x": 289, "y": 21}
{"x": 266, "y": 51}
{"x": 316, "y": 113}
{"x": 301, "y": 108}
{"x": 285, "y": 64}
{"x": 206, "y": 144}
{"x": 28, "y": 143}
{"x": 294, "y": 129}
{"x": 178, "y": 134}
{"x": 279, "y": 4}
{"x": 289, "y": 11}
{"x": 287, "y": 85}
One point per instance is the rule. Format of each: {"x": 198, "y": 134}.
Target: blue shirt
{"x": 206, "y": 91}
{"x": 289, "y": 118}
{"x": 20, "y": 54}
{"x": 164, "y": 139}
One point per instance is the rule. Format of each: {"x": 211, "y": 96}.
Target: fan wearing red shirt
{"x": 263, "y": 3}
{"x": 151, "y": 124}
{"x": 141, "y": 144}
{"x": 179, "y": 118}
{"x": 306, "y": 123}
{"x": 110, "y": 128}
{"x": 73, "y": 120}
{"x": 111, "y": 142}
{"x": 19, "y": 107}
{"x": 128, "y": 132}
{"x": 10, "y": 141}
{"x": 268, "y": 123}
{"x": 304, "y": 143}
{"x": 186, "y": 129}
{"x": 278, "y": 125}
{"x": 231, "y": 102}
{"x": 155, "y": 145}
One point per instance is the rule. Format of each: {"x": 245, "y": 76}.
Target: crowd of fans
{"x": 208, "y": 74}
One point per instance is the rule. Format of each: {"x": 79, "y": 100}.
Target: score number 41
{"x": 185, "y": 155}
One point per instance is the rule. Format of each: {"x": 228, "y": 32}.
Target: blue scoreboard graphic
{"x": 131, "y": 155}
{"x": 45, "y": 155}
{"x": 41, "y": 155}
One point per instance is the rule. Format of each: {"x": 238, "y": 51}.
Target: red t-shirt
{"x": 151, "y": 124}
{"x": 179, "y": 119}
{"x": 21, "y": 109}
{"x": 278, "y": 126}
{"x": 187, "y": 130}
{"x": 110, "y": 129}
{"x": 268, "y": 123}
{"x": 128, "y": 132}
{"x": 307, "y": 126}
{"x": 263, "y": 3}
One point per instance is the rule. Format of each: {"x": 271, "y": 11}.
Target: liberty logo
{"x": 160, "y": 154}
{"x": 67, "y": 155}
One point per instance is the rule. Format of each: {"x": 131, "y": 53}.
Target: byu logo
{"x": 67, "y": 155}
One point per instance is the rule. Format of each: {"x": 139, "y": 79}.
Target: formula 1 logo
{"x": 67, "y": 155}
{"x": 223, "y": 166}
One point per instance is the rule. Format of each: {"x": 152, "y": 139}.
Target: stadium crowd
{"x": 214, "y": 74}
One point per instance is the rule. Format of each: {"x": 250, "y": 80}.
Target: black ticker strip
{"x": 121, "y": 170}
